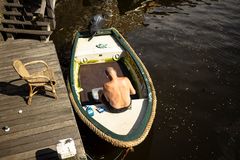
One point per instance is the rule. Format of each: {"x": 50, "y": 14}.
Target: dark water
{"x": 192, "y": 51}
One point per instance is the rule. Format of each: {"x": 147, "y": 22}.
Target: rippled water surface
{"x": 192, "y": 51}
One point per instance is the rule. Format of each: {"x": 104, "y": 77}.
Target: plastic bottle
{"x": 90, "y": 111}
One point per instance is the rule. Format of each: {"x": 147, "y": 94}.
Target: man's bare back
{"x": 118, "y": 90}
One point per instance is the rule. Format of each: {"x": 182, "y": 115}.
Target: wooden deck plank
{"x": 27, "y": 120}
{"x": 10, "y": 35}
{"x": 47, "y": 120}
{"x": 8, "y": 66}
{"x": 28, "y": 132}
{"x": 18, "y": 106}
{"x": 26, "y": 31}
{"x": 16, "y": 48}
{"x": 40, "y": 123}
{"x": 16, "y": 13}
{"x": 17, "y": 51}
{"x": 43, "y": 153}
{"x": 17, "y": 96}
{"x": 46, "y": 108}
{"x": 35, "y": 54}
{"x": 50, "y": 106}
{"x": 37, "y": 141}
{"x": 20, "y": 91}
{"x": 16, "y": 5}
{"x": 37, "y": 23}
{"x": 41, "y": 9}
{"x": 37, "y": 137}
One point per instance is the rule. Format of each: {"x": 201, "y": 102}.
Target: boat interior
{"x": 89, "y": 73}
{"x": 93, "y": 76}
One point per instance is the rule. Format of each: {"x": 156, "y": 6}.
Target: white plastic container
{"x": 66, "y": 148}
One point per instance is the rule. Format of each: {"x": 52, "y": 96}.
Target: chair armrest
{"x": 37, "y": 79}
{"x": 35, "y": 62}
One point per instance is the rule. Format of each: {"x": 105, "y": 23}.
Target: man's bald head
{"x": 111, "y": 72}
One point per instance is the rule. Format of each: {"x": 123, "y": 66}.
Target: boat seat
{"x": 96, "y": 92}
{"x": 127, "y": 119}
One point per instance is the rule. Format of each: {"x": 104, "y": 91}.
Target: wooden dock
{"x": 22, "y": 18}
{"x": 35, "y": 132}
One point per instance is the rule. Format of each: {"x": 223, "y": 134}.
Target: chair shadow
{"x": 46, "y": 153}
{"x": 10, "y": 89}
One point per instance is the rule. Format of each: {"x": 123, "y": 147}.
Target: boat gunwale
{"x": 133, "y": 138}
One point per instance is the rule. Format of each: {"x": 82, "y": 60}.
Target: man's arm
{"x": 105, "y": 92}
{"x": 132, "y": 90}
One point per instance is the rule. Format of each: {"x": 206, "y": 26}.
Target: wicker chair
{"x": 43, "y": 79}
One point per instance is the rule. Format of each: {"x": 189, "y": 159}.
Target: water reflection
{"x": 191, "y": 49}
{"x": 75, "y": 15}
{"x": 192, "y": 54}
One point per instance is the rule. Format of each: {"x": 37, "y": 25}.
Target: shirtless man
{"x": 116, "y": 92}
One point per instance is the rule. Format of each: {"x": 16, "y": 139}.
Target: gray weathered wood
{"x": 34, "y": 133}
{"x": 26, "y": 31}
{"x": 50, "y": 13}
{"x": 37, "y": 23}
{"x": 16, "y": 5}
{"x": 10, "y": 35}
{"x": 16, "y": 13}
{"x": 41, "y": 10}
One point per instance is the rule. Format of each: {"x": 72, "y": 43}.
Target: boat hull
{"x": 141, "y": 129}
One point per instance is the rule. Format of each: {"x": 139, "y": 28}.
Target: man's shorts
{"x": 112, "y": 109}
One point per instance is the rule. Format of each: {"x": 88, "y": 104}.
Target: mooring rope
{"x": 89, "y": 157}
{"x": 127, "y": 150}
{"x": 118, "y": 155}
{"x": 124, "y": 156}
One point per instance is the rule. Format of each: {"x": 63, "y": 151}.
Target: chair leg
{"x": 54, "y": 92}
{"x": 29, "y": 102}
